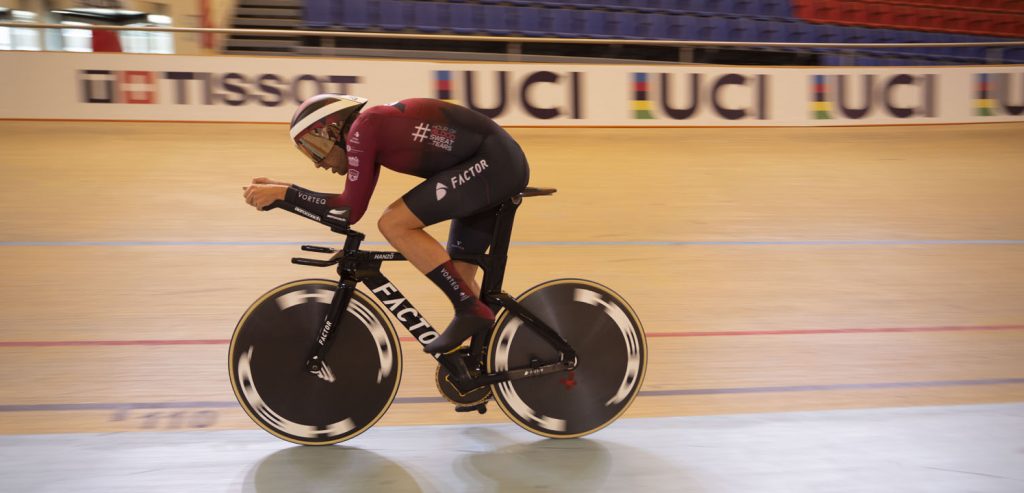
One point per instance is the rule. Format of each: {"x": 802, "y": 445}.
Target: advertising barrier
{"x": 89, "y": 86}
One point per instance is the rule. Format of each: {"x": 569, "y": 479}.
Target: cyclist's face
{"x": 335, "y": 161}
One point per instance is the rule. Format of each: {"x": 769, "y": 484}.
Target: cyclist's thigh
{"x": 496, "y": 172}
{"x": 472, "y": 234}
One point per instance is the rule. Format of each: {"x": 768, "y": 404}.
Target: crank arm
{"x": 521, "y": 373}
{"x": 548, "y": 369}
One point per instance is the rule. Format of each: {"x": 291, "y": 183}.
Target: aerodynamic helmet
{"x": 321, "y": 122}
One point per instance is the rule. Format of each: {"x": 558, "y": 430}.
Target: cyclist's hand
{"x": 262, "y": 195}
{"x": 267, "y": 181}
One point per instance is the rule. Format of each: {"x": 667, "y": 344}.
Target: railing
{"x": 514, "y": 43}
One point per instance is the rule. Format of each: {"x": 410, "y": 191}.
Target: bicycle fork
{"x": 339, "y": 303}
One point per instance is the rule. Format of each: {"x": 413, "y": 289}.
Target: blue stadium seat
{"x": 655, "y": 26}
{"x": 823, "y": 33}
{"x": 873, "y": 35}
{"x": 796, "y": 32}
{"x": 596, "y": 24}
{"x": 562, "y": 23}
{"x": 497, "y": 19}
{"x": 466, "y": 18}
{"x": 713, "y": 28}
{"x": 978, "y": 52}
{"x": 854, "y": 34}
{"x": 685, "y": 27}
{"x": 681, "y": 5}
{"x": 741, "y": 7}
{"x": 744, "y": 29}
{"x": 318, "y": 13}
{"x": 1013, "y": 54}
{"x": 426, "y": 16}
{"x": 716, "y": 6}
{"x": 530, "y": 21}
{"x": 597, "y": 4}
{"x": 624, "y": 25}
{"x": 643, "y": 6}
{"x": 773, "y": 8}
{"x": 394, "y": 15}
{"x": 771, "y": 31}
{"x": 353, "y": 14}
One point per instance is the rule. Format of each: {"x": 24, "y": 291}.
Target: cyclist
{"x": 469, "y": 164}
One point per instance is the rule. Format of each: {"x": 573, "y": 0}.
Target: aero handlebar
{"x": 337, "y": 225}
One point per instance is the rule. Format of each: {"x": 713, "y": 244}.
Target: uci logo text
{"x": 995, "y": 94}
{"x": 498, "y": 88}
{"x": 681, "y": 96}
{"x": 856, "y": 97}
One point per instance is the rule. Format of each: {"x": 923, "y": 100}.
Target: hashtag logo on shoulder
{"x": 421, "y": 133}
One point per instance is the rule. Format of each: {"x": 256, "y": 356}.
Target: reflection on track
{"x": 335, "y": 468}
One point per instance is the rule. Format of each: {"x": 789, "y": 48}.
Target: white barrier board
{"x": 93, "y": 86}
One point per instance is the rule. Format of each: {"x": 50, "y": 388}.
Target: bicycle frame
{"x": 356, "y": 266}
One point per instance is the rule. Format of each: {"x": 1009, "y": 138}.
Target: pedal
{"x": 480, "y": 408}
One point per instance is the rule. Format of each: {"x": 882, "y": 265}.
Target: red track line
{"x": 195, "y": 342}
{"x": 140, "y": 342}
{"x": 961, "y": 328}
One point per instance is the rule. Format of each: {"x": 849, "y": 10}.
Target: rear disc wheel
{"x": 611, "y": 359}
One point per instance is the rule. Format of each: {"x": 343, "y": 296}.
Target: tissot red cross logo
{"x": 137, "y": 87}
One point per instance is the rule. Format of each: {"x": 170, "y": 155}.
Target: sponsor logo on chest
{"x": 439, "y": 136}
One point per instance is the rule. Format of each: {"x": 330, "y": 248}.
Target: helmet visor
{"x": 315, "y": 146}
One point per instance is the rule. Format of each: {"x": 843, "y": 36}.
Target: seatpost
{"x": 498, "y": 257}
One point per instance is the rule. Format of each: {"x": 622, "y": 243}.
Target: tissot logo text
{"x": 205, "y": 88}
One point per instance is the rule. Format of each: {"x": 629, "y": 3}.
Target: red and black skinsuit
{"x": 470, "y": 165}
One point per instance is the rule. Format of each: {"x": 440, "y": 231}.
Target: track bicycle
{"x": 317, "y": 361}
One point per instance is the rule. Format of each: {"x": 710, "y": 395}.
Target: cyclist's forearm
{"x": 316, "y": 202}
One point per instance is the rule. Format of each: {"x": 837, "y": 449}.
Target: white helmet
{"x": 321, "y": 122}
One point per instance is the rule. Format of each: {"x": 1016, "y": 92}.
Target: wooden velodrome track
{"x": 774, "y": 269}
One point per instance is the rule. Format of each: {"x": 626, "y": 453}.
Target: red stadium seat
{"x": 823, "y": 10}
{"x": 928, "y": 18}
{"x": 1003, "y": 24}
{"x": 903, "y": 16}
{"x": 879, "y": 14}
{"x": 979, "y": 22}
{"x": 954, "y": 21}
{"x": 851, "y": 12}
{"x": 986, "y": 17}
{"x": 1018, "y": 25}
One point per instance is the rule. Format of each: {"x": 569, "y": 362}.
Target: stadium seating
{"x": 766, "y": 21}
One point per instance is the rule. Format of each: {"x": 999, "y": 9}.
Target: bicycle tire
{"x": 611, "y": 348}
{"x": 267, "y": 364}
